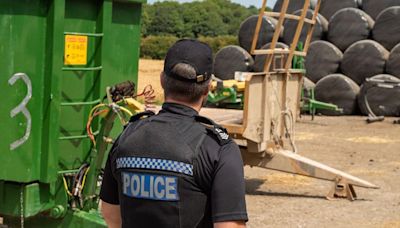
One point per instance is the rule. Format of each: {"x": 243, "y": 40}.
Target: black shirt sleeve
{"x": 228, "y": 188}
{"x": 109, "y": 186}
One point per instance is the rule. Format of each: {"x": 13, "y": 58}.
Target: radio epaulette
{"x": 220, "y": 132}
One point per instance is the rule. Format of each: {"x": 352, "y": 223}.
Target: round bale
{"x": 387, "y": 27}
{"x": 348, "y": 26}
{"x": 364, "y": 59}
{"x": 323, "y": 58}
{"x": 339, "y": 90}
{"x": 382, "y": 100}
{"x": 293, "y": 5}
{"x": 320, "y": 28}
{"x": 248, "y": 26}
{"x": 393, "y": 64}
{"x": 313, "y": 4}
{"x": 230, "y": 59}
{"x": 330, "y": 7}
{"x": 375, "y": 7}
{"x": 259, "y": 60}
{"x": 308, "y": 86}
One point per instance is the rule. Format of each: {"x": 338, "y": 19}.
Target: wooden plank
{"x": 285, "y": 78}
{"x": 297, "y": 34}
{"x": 276, "y": 34}
{"x": 254, "y": 103}
{"x": 230, "y": 119}
{"x": 278, "y": 51}
{"x": 258, "y": 26}
{"x": 287, "y": 161}
{"x": 311, "y": 29}
{"x": 222, "y": 115}
{"x": 289, "y": 16}
{"x": 299, "y": 88}
{"x": 234, "y": 129}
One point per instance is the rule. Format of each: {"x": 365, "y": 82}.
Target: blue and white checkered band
{"x": 155, "y": 164}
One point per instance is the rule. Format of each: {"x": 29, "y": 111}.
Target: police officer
{"x": 176, "y": 168}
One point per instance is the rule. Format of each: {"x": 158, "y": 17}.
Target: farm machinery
{"x": 59, "y": 59}
{"x": 264, "y": 129}
{"x": 230, "y": 93}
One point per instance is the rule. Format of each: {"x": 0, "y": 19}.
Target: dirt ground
{"x": 149, "y": 74}
{"x": 371, "y": 152}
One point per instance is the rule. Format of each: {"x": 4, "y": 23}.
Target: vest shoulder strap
{"x": 220, "y": 132}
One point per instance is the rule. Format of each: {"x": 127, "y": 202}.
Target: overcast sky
{"x": 256, "y": 3}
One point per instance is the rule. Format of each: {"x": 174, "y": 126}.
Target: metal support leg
{"x": 342, "y": 189}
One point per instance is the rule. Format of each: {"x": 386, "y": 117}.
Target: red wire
{"x": 149, "y": 97}
{"x": 89, "y": 123}
{"x": 149, "y": 100}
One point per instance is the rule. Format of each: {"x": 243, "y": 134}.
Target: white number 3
{"x": 22, "y": 108}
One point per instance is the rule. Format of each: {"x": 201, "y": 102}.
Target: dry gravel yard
{"x": 371, "y": 152}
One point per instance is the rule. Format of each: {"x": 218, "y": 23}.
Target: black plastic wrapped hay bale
{"x": 364, "y": 59}
{"x": 330, "y": 7}
{"x": 375, "y": 7}
{"x": 323, "y": 58}
{"x": 313, "y": 4}
{"x": 230, "y": 59}
{"x": 382, "y": 100}
{"x": 320, "y": 28}
{"x": 293, "y": 5}
{"x": 248, "y": 26}
{"x": 339, "y": 90}
{"x": 308, "y": 86}
{"x": 280, "y": 60}
{"x": 387, "y": 27}
{"x": 348, "y": 26}
{"x": 393, "y": 63}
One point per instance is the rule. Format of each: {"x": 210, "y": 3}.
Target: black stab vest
{"x": 154, "y": 165}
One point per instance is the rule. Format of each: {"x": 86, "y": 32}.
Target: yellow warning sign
{"x": 75, "y": 52}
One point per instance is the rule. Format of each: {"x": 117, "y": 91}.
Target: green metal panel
{"x": 21, "y": 51}
{"x": 79, "y": 86}
{"x": 116, "y": 52}
{"x": 50, "y": 123}
{"x": 76, "y": 218}
{"x": 121, "y": 45}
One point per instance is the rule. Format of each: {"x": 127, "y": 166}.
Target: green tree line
{"x": 215, "y": 22}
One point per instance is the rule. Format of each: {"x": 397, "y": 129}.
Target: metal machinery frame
{"x": 58, "y": 60}
{"x": 271, "y": 106}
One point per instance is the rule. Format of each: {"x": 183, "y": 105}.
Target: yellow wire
{"x": 123, "y": 109}
{"x": 126, "y": 111}
{"x": 91, "y": 114}
{"x": 66, "y": 187}
{"x": 84, "y": 177}
{"x": 94, "y": 108}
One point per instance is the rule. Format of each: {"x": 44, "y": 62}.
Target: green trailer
{"x": 56, "y": 59}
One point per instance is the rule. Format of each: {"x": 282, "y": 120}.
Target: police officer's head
{"x": 187, "y": 71}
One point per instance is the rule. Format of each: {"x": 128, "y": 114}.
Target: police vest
{"x": 154, "y": 166}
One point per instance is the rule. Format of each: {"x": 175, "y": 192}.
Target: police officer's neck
{"x": 196, "y": 106}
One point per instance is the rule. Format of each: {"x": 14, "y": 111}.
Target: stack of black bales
{"x": 360, "y": 44}
{"x": 353, "y": 40}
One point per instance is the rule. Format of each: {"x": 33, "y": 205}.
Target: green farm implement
{"x": 58, "y": 57}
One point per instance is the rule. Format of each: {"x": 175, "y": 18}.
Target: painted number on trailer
{"x": 21, "y": 108}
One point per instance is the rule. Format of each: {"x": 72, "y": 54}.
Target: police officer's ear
{"x": 162, "y": 79}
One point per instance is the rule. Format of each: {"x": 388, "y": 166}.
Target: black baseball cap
{"x": 192, "y": 52}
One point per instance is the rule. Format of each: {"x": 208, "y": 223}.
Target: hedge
{"x": 156, "y": 47}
